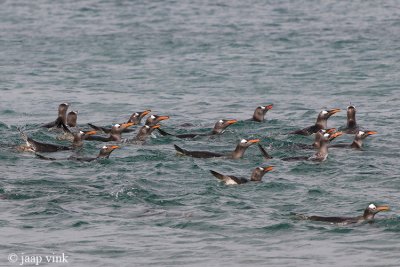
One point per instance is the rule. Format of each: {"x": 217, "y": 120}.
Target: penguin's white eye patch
{"x": 326, "y": 135}
{"x": 136, "y": 114}
{"x": 260, "y": 168}
{"x": 243, "y": 141}
{"x": 361, "y": 132}
{"x": 372, "y": 206}
{"x": 104, "y": 147}
{"x": 324, "y": 112}
{"x": 81, "y": 132}
{"x": 117, "y": 125}
{"x": 147, "y": 126}
{"x": 261, "y": 107}
{"x": 220, "y": 121}
{"x": 152, "y": 116}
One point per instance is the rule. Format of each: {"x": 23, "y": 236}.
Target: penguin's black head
{"x": 105, "y": 151}
{"x": 246, "y": 143}
{"x": 138, "y": 116}
{"x": 118, "y": 128}
{"x": 260, "y": 112}
{"x": 221, "y": 125}
{"x": 326, "y": 136}
{"x": 154, "y": 119}
{"x": 259, "y": 172}
{"x": 325, "y": 114}
{"x": 351, "y": 110}
{"x": 62, "y": 109}
{"x": 63, "y": 106}
{"x": 351, "y": 116}
{"x": 72, "y": 118}
{"x": 363, "y": 134}
{"x": 146, "y": 129}
{"x": 372, "y": 209}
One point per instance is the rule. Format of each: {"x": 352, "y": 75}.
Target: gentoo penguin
{"x": 351, "y": 125}
{"x": 322, "y": 153}
{"x": 259, "y": 113}
{"x": 135, "y": 118}
{"x": 368, "y": 216}
{"x": 236, "y": 154}
{"x": 219, "y": 127}
{"x": 317, "y": 139}
{"x": 61, "y": 119}
{"x": 358, "y": 140}
{"x": 155, "y": 119}
{"x": 256, "y": 176}
{"x": 104, "y": 153}
{"x": 321, "y": 123}
{"x": 144, "y": 132}
{"x": 115, "y": 134}
{"x": 36, "y": 146}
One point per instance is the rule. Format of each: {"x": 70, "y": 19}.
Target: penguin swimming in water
{"x": 260, "y": 112}
{"x": 236, "y": 154}
{"x": 135, "y": 118}
{"x": 104, "y": 153}
{"x": 358, "y": 140}
{"x": 256, "y": 176}
{"x": 321, "y": 123}
{"x": 115, "y": 134}
{"x": 367, "y": 216}
{"x": 322, "y": 153}
{"x": 219, "y": 127}
{"x": 61, "y": 119}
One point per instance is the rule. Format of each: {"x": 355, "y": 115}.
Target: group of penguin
{"x": 67, "y": 124}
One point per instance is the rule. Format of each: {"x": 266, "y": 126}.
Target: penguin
{"x": 219, "y": 127}
{"x": 236, "y": 154}
{"x": 321, "y": 123}
{"x": 62, "y": 117}
{"x": 358, "y": 140}
{"x": 115, "y": 134}
{"x": 367, "y": 216}
{"x": 104, "y": 153}
{"x": 135, "y": 118}
{"x": 260, "y": 112}
{"x": 256, "y": 176}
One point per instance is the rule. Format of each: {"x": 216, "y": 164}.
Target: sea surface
{"x": 199, "y": 62}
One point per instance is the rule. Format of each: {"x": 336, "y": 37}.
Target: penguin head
{"x": 372, "y": 209}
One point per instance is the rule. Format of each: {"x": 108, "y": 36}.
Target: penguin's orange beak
{"x": 383, "y": 208}
{"x": 253, "y": 141}
{"x": 333, "y": 111}
{"x": 371, "y": 132}
{"x": 144, "y": 113}
{"x": 334, "y": 135}
{"x": 90, "y": 132}
{"x": 231, "y": 121}
{"x": 269, "y": 168}
{"x": 331, "y": 130}
{"x": 269, "y": 106}
{"x": 128, "y": 124}
{"x": 161, "y": 118}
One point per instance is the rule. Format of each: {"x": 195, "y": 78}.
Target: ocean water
{"x": 198, "y": 62}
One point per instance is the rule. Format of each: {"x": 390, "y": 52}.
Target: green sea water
{"x": 198, "y": 62}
